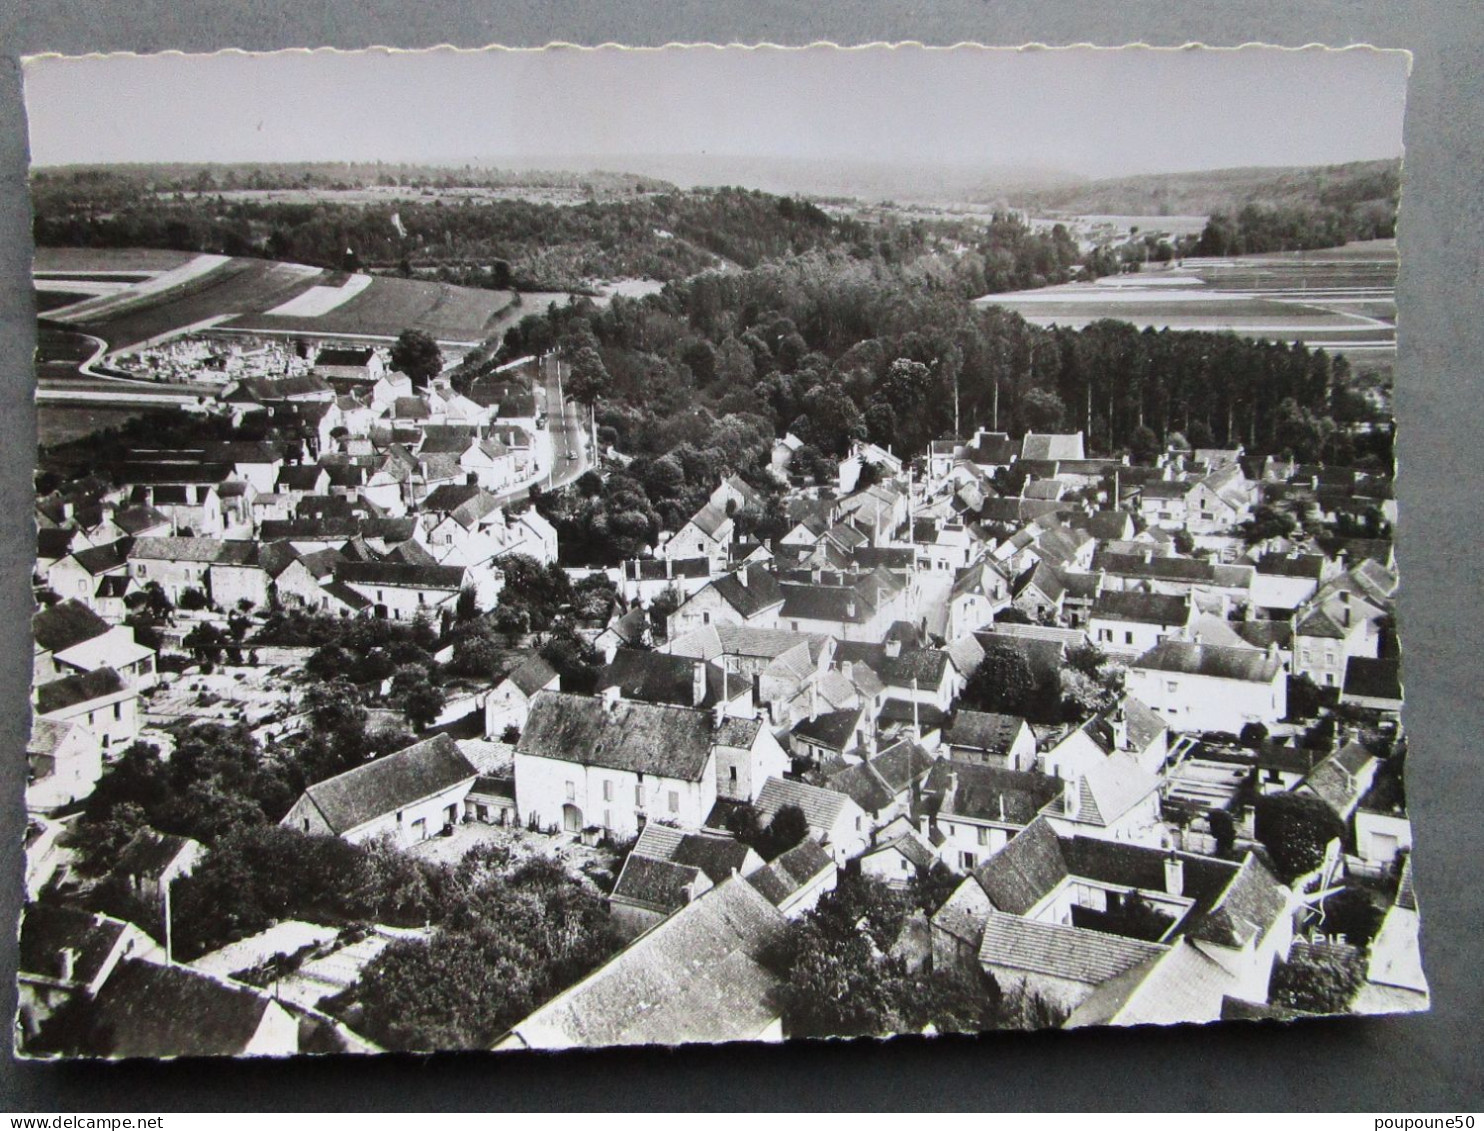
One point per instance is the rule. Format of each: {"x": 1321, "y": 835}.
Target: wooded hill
{"x": 1356, "y": 185}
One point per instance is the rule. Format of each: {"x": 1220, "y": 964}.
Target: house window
{"x": 983, "y": 836}
{"x": 571, "y": 791}
{"x": 399, "y": 816}
{"x": 1128, "y": 637}
{"x": 118, "y": 711}
{"x": 966, "y": 860}
{"x": 639, "y": 796}
{"x": 732, "y": 773}
{"x": 674, "y": 801}
{"x": 904, "y": 864}
{"x": 607, "y": 793}
{"x": 705, "y": 618}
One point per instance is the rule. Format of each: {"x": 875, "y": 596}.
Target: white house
{"x": 1205, "y": 687}
{"x": 509, "y": 701}
{"x": 64, "y": 762}
{"x": 1128, "y": 623}
{"x": 836, "y": 821}
{"x": 408, "y": 796}
{"x": 99, "y": 700}
{"x": 604, "y": 762}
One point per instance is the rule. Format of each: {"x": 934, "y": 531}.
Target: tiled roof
{"x": 176, "y": 549}
{"x": 1341, "y": 779}
{"x": 1246, "y": 664}
{"x": 925, "y": 665}
{"x": 749, "y": 590}
{"x": 646, "y": 738}
{"x": 1043, "y": 578}
{"x": 1051, "y": 445}
{"x": 150, "y": 853}
{"x": 697, "y": 976}
{"x": 822, "y": 807}
{"x": 1141, "y": 608}
{"x": 658, "y": 677}
{"x": 131, "y": 520}
{"x": 791, "y": 871}
{"x": 1073, "y": 954}
{"x": 1310, "y": 566}
{"x": 1261, "y": 633}
{"x": 65, "y": 624}
{"x": 864, "y": 786}
{"x": 349, "y": 800}
{"x": 834, "y": 729}
{"x": 902, "y": 764}
{"x": 75, "y": 689}
{"x": 717, "y": 856}
{"x": 662, "y": 885}
{"x": 987, "y": 793}
{"x": 1247, "y": 907}
{"x": 532, "y": 674}
{"x": 47, "y": 929}
{"x": 149, "y": 1010}
{"x": 983, "y": 730}
{"x": 401, "y": 574}
{"x": 450, "y": 496}
{"x": 1018, "y": 876}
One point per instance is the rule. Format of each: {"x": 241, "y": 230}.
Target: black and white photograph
{"x": 574, "y": 547}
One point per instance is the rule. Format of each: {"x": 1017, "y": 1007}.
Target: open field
{"x": 185, "y": 297}
{"x": 85, "y": 261}
{"x": 57, "y": 424}
{"x": 1340, "y": 298}
{"x": 387, "y": 306}
{"x": 239, "y": 293}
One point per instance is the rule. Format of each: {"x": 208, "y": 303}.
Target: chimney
{"x": 847, "y": 669}
{"x": 718, "y": 714}
{"x": 611, "y": 698}
{"x": 893, "y": 646}
{"x": 68, "y": 957}
{"x": 1174, "y": 874}
{"x": 742, "y": 577}
{"x": 669, "y": 568}
{"x": 850, "y": 608}
{"x": 1072, "y": 797}
{"x": 1147, "y": 553}
{"x": 698, "y": 684}
{"x": 951, "y": 791}
{"x": 1119, "y": 723}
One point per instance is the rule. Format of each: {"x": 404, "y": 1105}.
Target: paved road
{"x": 564, "y": 420}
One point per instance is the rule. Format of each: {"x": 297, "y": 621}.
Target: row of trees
{"x": 1256, "y": 229}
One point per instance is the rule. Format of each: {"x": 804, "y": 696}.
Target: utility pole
{"x": 169, "y": 926}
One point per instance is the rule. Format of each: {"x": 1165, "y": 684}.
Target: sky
{"x": 1084, "y": 111}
